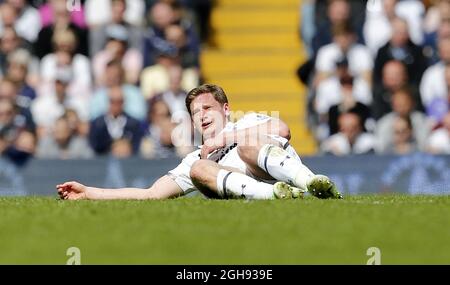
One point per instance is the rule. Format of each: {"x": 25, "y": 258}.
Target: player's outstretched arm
{"x": 163, "y": 188}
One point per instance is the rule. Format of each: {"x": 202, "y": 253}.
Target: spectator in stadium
{"x": 356, "y": 6}
{"x": 175, "y": 95}
{"x": 78, "y": 126}
{"x": 27, "y": 21}
{"x": 340, "y": 95}
{"x": 65, "y": 56}
{"x": 437, "y": 11}
{"x": 433, "y": 84}
{"x": 62, "y": 21}
{"x": 162, "y": 15}
{"x": 338, "y": 13}
{"x": 436, "y": 26}
{"x": 117, "y": 49}
{"x": 52, "y": 104}
{"x": 348, "y": 104}
{"x": 114, "y": 125}
{"x": 48, "y": 10}
{"x": 351, "y": 139}
{"x": 413, "y": 12}
{"x": 435, "y": 14}
{"x": 98, "y": 35}
{"x": 17, "y": 139}
{"x": 402, "y": 106}
{"x": 342, "y": 88}
{"x": 18, "y": 64}
{"x": 439, "y": 140}
{"x": 63, "y": 143}
{"x": 189, "y": 54}
{"x": 9, "y": 90}
{"x": 378, "y": 29}
{"x": 403, "y": 141}
{"x": 394, "y": 78}
{"x": 8, "y": 16}
{"x": 155, "y": 78}
{"x": 401, "y": 48}
{"x": 360, "y": 61}
{"x": 440, "y": 105}
{"x": 158, "y": 128}
{"x": 9, "y": 43}
{"x": 98, "y": 12}
{"x": 134, "y": 104}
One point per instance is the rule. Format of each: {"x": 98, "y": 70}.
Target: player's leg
{"x": 216, "y": 181}
{"x": 269, "y": 157}
{"x": 249, "y": 154}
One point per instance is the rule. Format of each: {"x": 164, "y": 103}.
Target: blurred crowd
{"x": 83, "y": 78}
{"x": 378, "y": 73}
{"x": 97, "y": 77}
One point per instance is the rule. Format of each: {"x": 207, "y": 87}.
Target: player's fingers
{"x": 60, "y": 193}
{"x": 72, "y": 196}
{"x": 204, "y": 153}
{"x": 61, "y": 187}
{"x": 69, "y": 184}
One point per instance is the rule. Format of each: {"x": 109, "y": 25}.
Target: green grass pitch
{"x": 406, "y": 229}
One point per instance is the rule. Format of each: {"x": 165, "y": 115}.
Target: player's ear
{"x": 226, "y": 108}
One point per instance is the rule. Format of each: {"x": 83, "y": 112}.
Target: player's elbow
{"x": 285, "y": 132}
{"x": 280, "y": 128}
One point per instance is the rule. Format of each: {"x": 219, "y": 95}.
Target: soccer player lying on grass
{"x": 249, "y": 159}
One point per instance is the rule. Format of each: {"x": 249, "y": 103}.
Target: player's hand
{"x": 212, "y": 144}
{"x": 71, "y": 191}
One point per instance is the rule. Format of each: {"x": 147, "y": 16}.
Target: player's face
{"x": 208, "y": 115}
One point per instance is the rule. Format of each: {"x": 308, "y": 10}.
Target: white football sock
{"x": 238, "y": 185}
{"x": 282, "y": 166}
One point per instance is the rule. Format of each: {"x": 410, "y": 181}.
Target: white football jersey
{"x": 226, "y": 156}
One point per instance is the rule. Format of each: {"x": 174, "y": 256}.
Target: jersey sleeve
{"x": 180, "y": 174}
{"x": 251, "y": 120}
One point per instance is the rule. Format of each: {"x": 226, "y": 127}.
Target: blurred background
{"x": 97, "y": 80}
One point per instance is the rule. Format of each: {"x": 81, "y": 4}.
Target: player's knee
{"x": 248, "y": 154}
{"x": 199, "y": 169}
